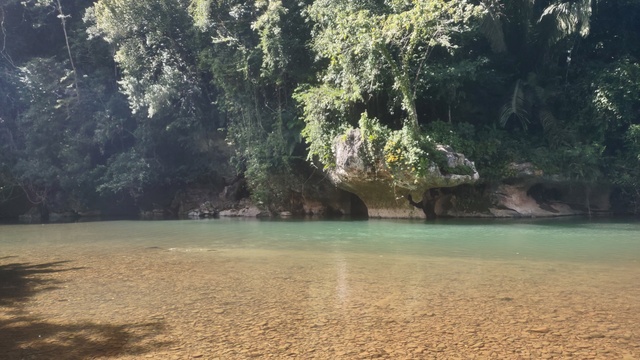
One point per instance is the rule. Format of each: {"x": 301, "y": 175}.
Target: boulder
{"x": 249, "y": 211}
{"x": 385, "y": 192}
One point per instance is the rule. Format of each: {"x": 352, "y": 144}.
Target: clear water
{"x": 573, "y": 240}
{"x": 235, "y": 289}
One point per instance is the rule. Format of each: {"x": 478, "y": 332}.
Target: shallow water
{"x": 603, "y": 240}
{"x": 228, "y": 288}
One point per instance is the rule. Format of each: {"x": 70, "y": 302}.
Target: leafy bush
{"x": 408, "y": 152}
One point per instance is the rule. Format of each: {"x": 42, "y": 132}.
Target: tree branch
{"x": 63, "y": 19}
{"x": 3, "y": 51}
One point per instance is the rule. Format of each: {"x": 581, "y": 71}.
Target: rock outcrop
{"x": 527, "y": 193}
{"x": 389, "y": 193}
{"x": 247, "y": 211}
{"x": 386, "y": 192}
{"x": 212, "y": 201}
{"x": 316, "y": 197}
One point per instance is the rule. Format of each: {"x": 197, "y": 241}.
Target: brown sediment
{"x": 96, "y": 302}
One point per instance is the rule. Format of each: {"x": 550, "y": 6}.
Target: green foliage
{"x": 367, "y": 49}
{"x": 126, "y": 172}
{"x": 566, "y": 18}
{"x": 581, "y": 162}
{"x": 46, "y": 135}
{"x": 408, "y": 152}
{"x": 626, "y": 169}
{"x": 323, "y": 110}
{"x": 265, "y": 154}
{"x": 459, "y": 136}
{"x": 616, "y": 93}
{"x": 272, "y": 44}
{"x": 256, "y": 52}
{"x": 172, "y": 120}
{"x": 550, "y": 82}
{"x": 10, "y": 105}
{"x": 375, "y": 137}
{"x": 154, "y": 49}
{"x": 515, "y": 108}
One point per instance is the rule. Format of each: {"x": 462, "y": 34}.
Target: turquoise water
{"x": 575, "y": 240}
{"x": 230, "y": 288}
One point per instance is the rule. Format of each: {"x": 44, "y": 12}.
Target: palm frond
{"x": 553, "y": 132}
{"x": 515, "y": 108}
{"x": 568, "y": 18}
{"x": 491, "y": 26}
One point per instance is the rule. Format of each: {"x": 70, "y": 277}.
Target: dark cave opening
{"x": 358, "y": 209}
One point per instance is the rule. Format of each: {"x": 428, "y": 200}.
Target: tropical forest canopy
{"x": 108, "y": 101}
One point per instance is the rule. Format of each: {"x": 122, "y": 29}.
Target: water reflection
{"x": 342, "y": 282}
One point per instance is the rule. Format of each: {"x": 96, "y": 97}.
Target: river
{"x": 237, "y": 289}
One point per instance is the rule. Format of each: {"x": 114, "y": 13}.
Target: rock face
{"x": 529, "y": 193}
{"x": 389, "y": 194}
{"x": 206, "y": 210}
{"x": 248, "y": 211}
{"x": 516, "y": 201}
{"x": 207, "y": 202}
{"x": 318, "y": 197}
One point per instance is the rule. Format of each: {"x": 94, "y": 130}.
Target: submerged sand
{"x": 123, "y": 302}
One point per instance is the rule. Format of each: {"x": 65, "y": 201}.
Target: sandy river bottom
{"x": 88, "y": 302}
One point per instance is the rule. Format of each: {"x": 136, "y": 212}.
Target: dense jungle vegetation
{"x": 109, "y": 103}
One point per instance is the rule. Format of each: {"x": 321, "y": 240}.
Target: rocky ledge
{"x": 529, "y": 192}
{"x": 389, "y": 193}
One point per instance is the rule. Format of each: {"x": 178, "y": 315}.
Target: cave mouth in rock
{"x": 544, "y": 194}
{"x": 358, "y": 209}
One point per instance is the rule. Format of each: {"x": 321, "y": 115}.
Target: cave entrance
{"x": 543, "y": 194}
{"x": 358, "y": 209}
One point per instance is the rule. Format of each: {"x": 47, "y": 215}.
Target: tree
{"x": 372, "y": 50}
{"x": 10, "y": 105}
{"x": 538, "y": 35}
{"x": 256, "y": 58}
{"x": 156, "y": 50}
{"x": 36, "y": 126}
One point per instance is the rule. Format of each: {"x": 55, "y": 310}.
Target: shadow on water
{"x": 28, "y": 336}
